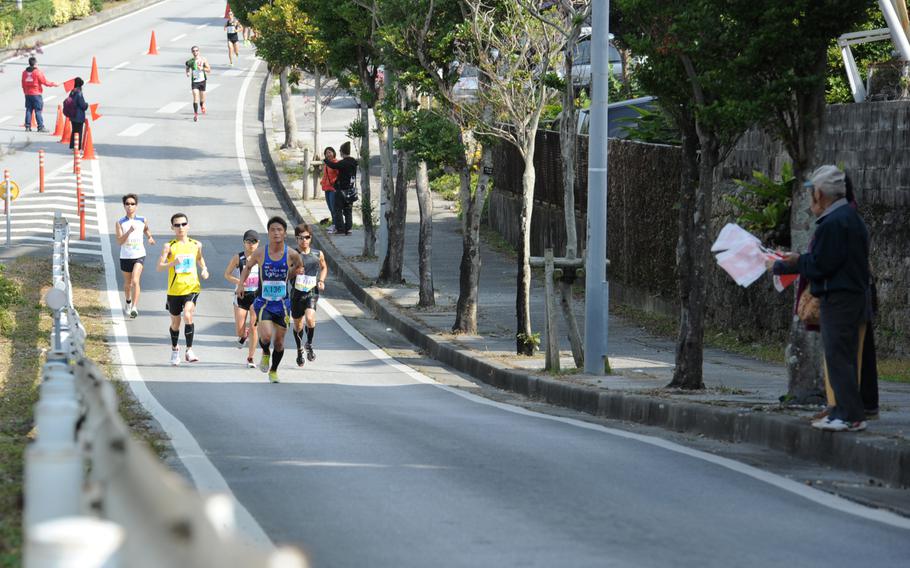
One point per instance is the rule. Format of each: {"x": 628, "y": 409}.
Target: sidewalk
{"x": 740, "y": 403}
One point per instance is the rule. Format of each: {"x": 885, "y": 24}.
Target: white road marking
{"x": 105, "y": 24}
{"x": 119, "y": 65}
{"x": 241, "y": 154}
{"x": 49, "y": 98}
{"x": 233, "y": 72}
{"x": 211, "y": 87}
{"x": 171, "y": 108}
{"x": 136, "y": 129}
{"x": 205, "y": 475}
{"x": 200, "y": 27}
{"x": 178, "y": 38}
{"x": 4, "y": 119}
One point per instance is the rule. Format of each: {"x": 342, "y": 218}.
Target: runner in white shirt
{"x": 130, "y": 231}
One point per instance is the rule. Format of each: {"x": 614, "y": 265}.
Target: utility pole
{"x": 596, "y": 287}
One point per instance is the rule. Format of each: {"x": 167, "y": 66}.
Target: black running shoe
{"x": 300, "y": 360}
{"x": 310, "y": 354}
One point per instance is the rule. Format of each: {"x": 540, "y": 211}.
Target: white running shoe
{"x": 191, "y": 357}
{"x": 175, "y": 357}
{"x": 127, "y": 308}
{"x": 134, "y": 313}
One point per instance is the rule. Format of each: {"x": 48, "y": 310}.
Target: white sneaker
{"x": 330, "y": 230}
{"x": 175, "y": 357}
{"x": 191, "y": 357}
{"x": 134, "y": 313}
{"x": 127, "y": 308}
{"x": 838, "y": 425}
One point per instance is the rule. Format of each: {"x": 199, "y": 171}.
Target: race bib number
{"x": 198, "y": 75}
{"x": 231, "y": 30}
{"x": 251, "y": 283}
{"x": 274, "y": 290}
{"x": 185, "y": 263}
{"x": 304, "y": 283}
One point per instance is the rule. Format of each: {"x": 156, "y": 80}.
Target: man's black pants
{"x": 842, "y": 316}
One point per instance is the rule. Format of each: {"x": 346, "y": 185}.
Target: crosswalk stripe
{"x": 49, "y": 98}
{"x": 4, "y": 119}
{"x": 233, "y": 73}
{"x": 171, "y": 108}
{"x": 136, "y": 129}
{"x": 119, "y": 65}
{"x": 211, "y": 87}
{"x": 178, "y": 38}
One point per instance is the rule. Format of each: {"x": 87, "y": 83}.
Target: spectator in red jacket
{"x": 33, "y": 83}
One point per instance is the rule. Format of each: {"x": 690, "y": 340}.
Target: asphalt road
{"x": 357, "y": 459}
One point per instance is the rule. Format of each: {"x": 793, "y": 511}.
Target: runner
{"x": 197, "y": 68}
{"x": 276, "y": 263}
{"x": 232, "y": 27}
{"x": 248, "y": 35}
{"x": 243, "y": 304}
{"x": 309, "y": 281}
{"x": 180, "y": 257}
{"x": 130, "y": 230}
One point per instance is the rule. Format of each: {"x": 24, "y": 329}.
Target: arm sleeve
{"x": 829, "y": 252}
{"x": 81, "y": 102}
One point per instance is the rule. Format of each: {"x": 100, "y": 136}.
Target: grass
{"x": 894, "y": 370}
{"x": 26, "y": 327}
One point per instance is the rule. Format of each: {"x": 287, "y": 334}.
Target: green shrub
{"x": 763, "y": 206}
{"x": 97, "y": 5}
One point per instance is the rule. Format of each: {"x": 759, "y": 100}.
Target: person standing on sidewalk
{"x": 328, "y": 187}
{"x": 74, "y": 108}
{"x": 308, "y": 282}
{"x": 346, "y": 190}
{"x": 33, "y": 83}
{"x": 837, "y": 269}
{"x": 131, "y": 230}
{"x": 181, "y": 257}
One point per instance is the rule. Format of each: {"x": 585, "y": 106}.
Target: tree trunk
{"x": 691, "y": 258}
{"x": 396, "y": 219}
{"x": 366, "y": 198}
{"x": 317, "y": 117}
{"x": 524, "y": 343}
{"x": 469, "y": 272}
{"x": 287, "y": 107}
{"x": 386, "y": 186}
{"x": 427, "y": 296}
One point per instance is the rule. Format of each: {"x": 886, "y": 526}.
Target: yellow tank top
{"x": 182, "y": 277}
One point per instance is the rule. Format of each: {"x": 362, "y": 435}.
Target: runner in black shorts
{"x": 242, "y": 304}
{"x": 197, "y": 69}
{"x": 306, "y": 283}
{"x": 233, "y": 28}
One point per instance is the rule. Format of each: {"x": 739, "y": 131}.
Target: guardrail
{"x": 94, "y": 496}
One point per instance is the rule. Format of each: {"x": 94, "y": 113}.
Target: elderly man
{"x": 837, "y": 268}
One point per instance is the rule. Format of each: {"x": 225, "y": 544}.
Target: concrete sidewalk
{"x": 740, "y": 403}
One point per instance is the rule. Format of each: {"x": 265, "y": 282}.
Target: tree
{"x": 514, "y": 53}
{"x": 286, "y": 38}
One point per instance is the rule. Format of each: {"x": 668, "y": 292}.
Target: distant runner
{"x": 242, "y": 304}
{"x": 276, "y": 263}
{"x": 131, "y": 231}
{"x": 180, "y": 257}
{"x": 233, "y": 28}
{"x": 197, "y": 69}
{"x": 309, "y": 281}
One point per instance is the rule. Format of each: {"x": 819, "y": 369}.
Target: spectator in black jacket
{"x": 345, "y": 189}
{"x": 837, "y": 269}
{"x": 78, "y": 119}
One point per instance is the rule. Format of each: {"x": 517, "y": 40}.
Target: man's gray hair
{"x": 829, "y": 180}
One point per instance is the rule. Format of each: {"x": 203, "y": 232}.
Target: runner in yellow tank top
{"x": 181, "y": 257}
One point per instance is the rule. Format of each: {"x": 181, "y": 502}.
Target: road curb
{"x": 883, "y": 458}
{"x": 51, "y": 35}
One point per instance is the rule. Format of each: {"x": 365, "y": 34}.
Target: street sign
{"x": 13, "y": 191}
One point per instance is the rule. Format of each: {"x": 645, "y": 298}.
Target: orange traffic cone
{"x": 58, "y": 126}
{"x": 34, "y": 124}
{"x": 94, "y": 80}
{"x": 153, "y": 45}
{"x": 88, "y": 147}
{"x": 67, "y": 132}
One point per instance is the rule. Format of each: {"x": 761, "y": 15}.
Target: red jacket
{"x": 33, "y": 80}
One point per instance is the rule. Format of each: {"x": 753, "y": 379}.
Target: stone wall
{"x": 871, "y": 141}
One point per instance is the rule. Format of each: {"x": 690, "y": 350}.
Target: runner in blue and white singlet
{"x": 272, "y": 306}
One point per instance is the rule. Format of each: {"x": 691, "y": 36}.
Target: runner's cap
{"x": 251, "y": 235}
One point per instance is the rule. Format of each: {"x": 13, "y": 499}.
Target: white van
{"x": 581, "y": 61}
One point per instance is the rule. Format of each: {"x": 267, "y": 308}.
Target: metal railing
{"x": 94, "y": 496}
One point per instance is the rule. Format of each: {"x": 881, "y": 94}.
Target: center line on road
{"x": 181, "y": 36}
{"x": 4, "y": 119}
{"x": 171, "y": 108}
{"x": 119, "y": 65}
{"x": 136, "y": 129}
{"x": 200, "y": 27}
{"x": 49, "y": 98}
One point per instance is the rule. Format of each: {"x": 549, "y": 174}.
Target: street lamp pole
{"x": 596, "y": 286}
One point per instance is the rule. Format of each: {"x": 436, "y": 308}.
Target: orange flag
{"x": 94, "y": 108}
{"x": 69, "y": 85}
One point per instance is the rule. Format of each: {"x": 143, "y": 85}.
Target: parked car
{"x": 465, "y": 89}
{"x": 581, "y": 61}
{"x": 620, "y": 116}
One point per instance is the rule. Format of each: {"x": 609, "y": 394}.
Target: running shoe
{"x": 175, "y": 357}
{"x": 195, "y": 117}
{"x": 127, "y": 309}
{"x": 134, "y": 313}
{"x": 273, "y": 376}
{"x": 330, "y": 231}
{"x": 202, "y": 108}
{"x": 264, "y": 363}
{"x": 191, "y": 357}
{"x": 250, "y": 363}
{"x": 300, "y": 360}
{"x": 310, "y": 354}
{"x": 241, "y": 341}
{"x": 42, "y": 129}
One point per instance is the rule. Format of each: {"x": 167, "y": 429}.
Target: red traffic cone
{"x": 94, "y": 80}
{"x": 88, "y": 147}
{"x": 153, "y": 45}
{"x": 58, "y": 126}
{"x": 67, "y": 132}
